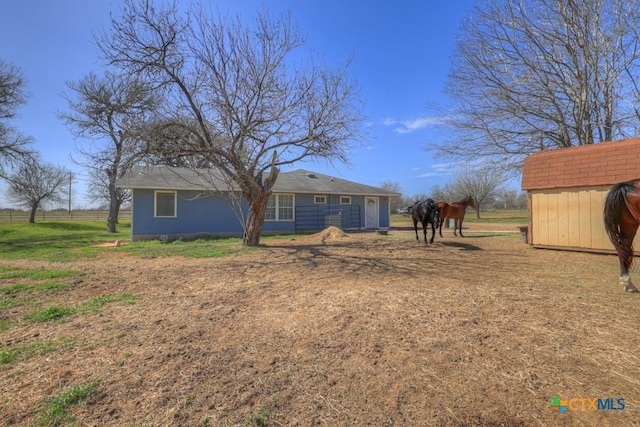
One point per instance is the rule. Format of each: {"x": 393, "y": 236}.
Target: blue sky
{"x": 401, "y": 56}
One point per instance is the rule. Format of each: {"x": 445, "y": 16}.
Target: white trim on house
{"x": 155, "y": 203}
{"x": 279, "y": 210}
{"x": 320, "y": 199}
{"x": 371, "y": 212}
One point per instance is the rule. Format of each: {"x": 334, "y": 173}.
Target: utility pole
{"x": 70, "y": 177}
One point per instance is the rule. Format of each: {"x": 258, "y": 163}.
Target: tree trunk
{"x": 118, "y": 205}
{"x": 112, "y": 220}
{"x": 255, "y": 220}
{"x": 32, "y": 215}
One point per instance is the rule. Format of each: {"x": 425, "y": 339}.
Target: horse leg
{"x": 628, "y": 227}
{"x": 415, "y": 226}
{"x": 440, "y": 226}
{"x": 625, "y": 279}
{"x": 625, "y": 263}
{"x": 433, "y": 232}
{"x": 455, "y": 227}
{"x": 461, "y": 235}
{"x": 424, "y": 230}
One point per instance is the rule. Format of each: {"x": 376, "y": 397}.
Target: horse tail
{"x": 613, "y": 208}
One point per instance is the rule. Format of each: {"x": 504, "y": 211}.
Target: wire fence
{"x": 84, "y": 215}
{"x": 317, "y": 217}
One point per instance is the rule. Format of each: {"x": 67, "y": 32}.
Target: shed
{"x": 566, "y": 190}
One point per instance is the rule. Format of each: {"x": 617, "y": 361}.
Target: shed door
{"x": 371, "y": 218}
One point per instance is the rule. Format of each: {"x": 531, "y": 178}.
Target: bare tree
{"x": 395, "y": 203}
{"x": 440, "y": 194}
{"x": 13, "y": 145}
{"x": 482, "y": 182}
{"x": 34, "y": 184}
{"x": 247, "y": 107}
{"x": 529, "y": 76}
{"x": 110, "y": 113}
{"x": 506, "y": 199}
{"x": 99, "y": 191}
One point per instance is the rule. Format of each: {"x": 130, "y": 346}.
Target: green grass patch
{"x": 56, "y": 411}
{"x": 38, "y": 274}
{"x": 506, "y": 216}
{"x": 13, "y": 300}
{"x": 69, "y": 241}
{"x": 96, "y": 303}
{"x": 22, "y": 352}
{"x": 54, "y": 312}
{"x": 57, "y": 241}
{"x": 35, "y": 287}
{"x": 499, "y": 216}
{"x": 259, "y": 418}
{"x": 210, "y": 247}
{"x": 20, "y": 294}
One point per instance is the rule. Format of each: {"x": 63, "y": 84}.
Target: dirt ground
{"x": 343, "y": 330}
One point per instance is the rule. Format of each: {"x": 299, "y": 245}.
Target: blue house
{"x": 169, "y": 203}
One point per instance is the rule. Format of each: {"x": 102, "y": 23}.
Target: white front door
{"x": 371, "y": 212}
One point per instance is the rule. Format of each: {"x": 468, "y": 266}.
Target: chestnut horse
{"x": 621, "y": 220}
{"x": 456, "y": 211}
{"x": 426, "y": 212}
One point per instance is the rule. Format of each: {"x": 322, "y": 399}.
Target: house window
{"x": 165, "y": 204}
{"x": 320, "y": 200}
{"x": 279, "y": 208}
{"x": 345, "y": 200}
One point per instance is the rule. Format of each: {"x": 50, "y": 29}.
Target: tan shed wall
{"x": 570, "y": 217}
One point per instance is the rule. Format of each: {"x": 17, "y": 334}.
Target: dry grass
{"x": 336, "y": 329}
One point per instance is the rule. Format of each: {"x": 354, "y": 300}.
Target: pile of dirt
{"x": 330, "y": 233}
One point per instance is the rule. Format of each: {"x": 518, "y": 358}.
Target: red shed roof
{"x": 606, "y": 163}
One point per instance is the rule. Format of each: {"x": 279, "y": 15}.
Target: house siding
{"x": 193, "y": 216}
{"x": 325, "y": 212}
{"x": 197, "y": 214}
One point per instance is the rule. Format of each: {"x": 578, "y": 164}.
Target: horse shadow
{"x": 460, "y": 245}
{"x": 316, "y": 255}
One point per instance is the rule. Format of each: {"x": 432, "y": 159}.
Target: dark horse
{"x": 456, "y": 211}
{"x": 426, "y": 212}
{"x": 621, "y": 220}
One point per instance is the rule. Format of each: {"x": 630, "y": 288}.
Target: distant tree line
{"x": 485, "y": 184}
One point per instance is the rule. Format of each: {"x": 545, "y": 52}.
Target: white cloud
{"x": 412, "y": 125}
{"x": 388, "y": 121}
{"x": 444, "y": 167}
{"x": 428, "y": 174}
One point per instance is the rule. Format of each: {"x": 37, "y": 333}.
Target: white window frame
{"x": 276, "y": 197}
{"x": 155, "y": 203}
{"x": 345, "y": 200}
{"x": 320, "y": 199}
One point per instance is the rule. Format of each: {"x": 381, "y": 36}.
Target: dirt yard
{"x": 343, "y": 330}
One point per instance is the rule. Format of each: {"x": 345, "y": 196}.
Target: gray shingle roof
{"x": 297, "y": 181}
